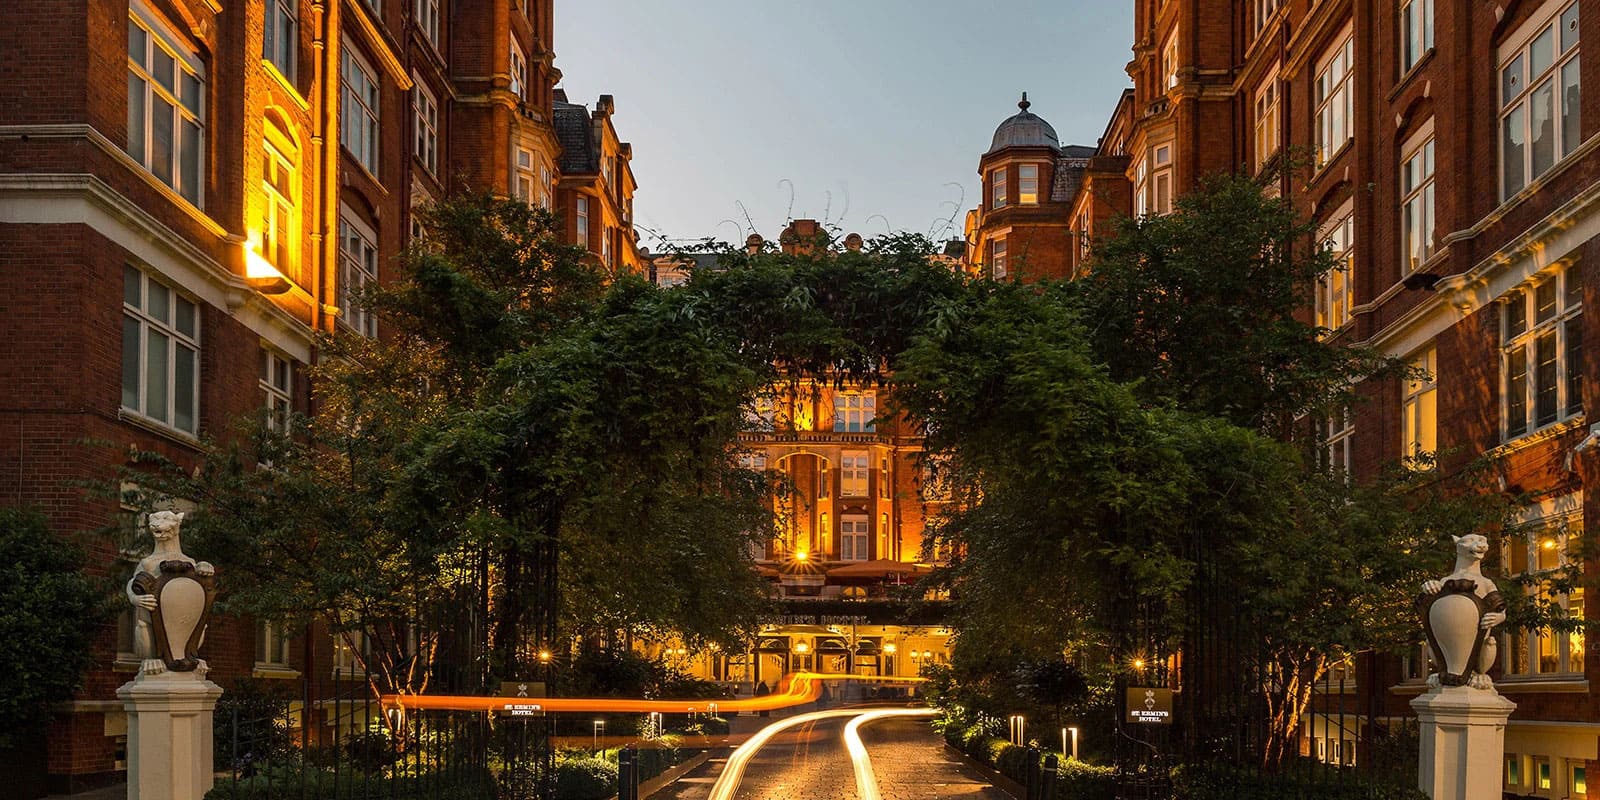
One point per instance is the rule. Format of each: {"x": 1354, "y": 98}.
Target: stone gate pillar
{"x": 1462, "y": 743}
{"x": 169, "y": 735}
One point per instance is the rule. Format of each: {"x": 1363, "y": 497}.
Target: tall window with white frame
{"x": 358, "y": 268}
{"x": 525, "y": 176}
{"x": 358, "y": 112}
{"x": 605, "y": 245}
{"x": 272, "y": 646}
{"x": 166, "y": 105}
{"x": 160, "y": 352}
{"x": 1419, "y": 408}
{"x": 1416, "y": 204}
{"x": 1169, "y": 62}
{"x": 1539, "y": 97}
{"x": 278, "y": 194}
{"x": 1335, "y": 290}
{"x": 855, "y": 412}
{"x": 997, "y": 188}
{"x": 1339, "y": 442}
{"x": 1264, "y": 9}
{"x": 1266, "y": 120}
{"x": 280, "y": 42}
{"x": 1537, "y": 556}
{"x": 855, "y": 532}
{"x": 517, "y": 65}
{"x": 1161, "y": 179}
{"x": 1541, "y": 358}
{"x": 426, "y": 109}
{"x": 277, "y": 389}
{"x": 1085, "y": 238}
{"x": 1028, "y": 184}
{"x": 997, "y": 258}
{"x": 1141, "y": 187}
{"x": 426, "y": 13}
{"x": 1416, "y": 32}
{"x": 583, "y": 222}
{"x": 854, "y": 471}
{"x": 1335, "y": 99}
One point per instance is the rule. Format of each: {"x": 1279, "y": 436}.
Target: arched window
{"x": 280, "y": 172}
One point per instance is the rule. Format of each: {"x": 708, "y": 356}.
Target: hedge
{"x": 295, "y": 784}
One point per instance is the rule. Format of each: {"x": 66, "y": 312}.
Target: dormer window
{"x": 997, "y": 188}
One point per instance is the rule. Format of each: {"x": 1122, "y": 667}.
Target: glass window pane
{"x": 136, "y": 116}
{"x": 1516, "y": 315}
{"x": 161, "y": 139}
{"x": 1542, "y": 119}
{"x": 1541, "y": 54}
{"x": 132, "y": 281}
{"x": 1545, "y": 382}
{"x": 186, "y": 317}
{"x": 130, "y": 363}
{"x": 156, "y": 375}
{"x": 189, "y": 162}
{"x": 161, "y": 68}
{"x": 1511, "y": 151}
{"x": 1573, "y": 280}
{"x": 1571, "y": 131}
{"x": 1517, "y": 391}
{"x": 190, "y": 96}
{"x": 158, "y": 302}
{"x": 183, "y": 389}
{"x": 1511, "y": 81}
{"x": 138, "y": 41}
{"x": 1574, "y": 335}
{"x": 1569, "y": 27}
{"x": 1544, "y": 301}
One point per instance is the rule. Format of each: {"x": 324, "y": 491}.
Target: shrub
{"x": 251, "y": 726}
{"x": 585, "y": 778}
{"x": 292, "y": 783}
{"x": 1080, "y": 780}
{"x": 1207, "y": 781}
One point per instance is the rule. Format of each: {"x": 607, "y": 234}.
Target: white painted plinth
{"x": 1463, "y": 742}
{"x": 169, "y": 735}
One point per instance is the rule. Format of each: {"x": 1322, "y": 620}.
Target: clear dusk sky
{"x": 885, "y": 104}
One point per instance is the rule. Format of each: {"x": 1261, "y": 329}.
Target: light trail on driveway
{"x": 866, "y": 780}
{"x": 797, "y": 689}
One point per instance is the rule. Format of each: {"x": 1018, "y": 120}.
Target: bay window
{"x": 997, "y": 188}
{"x": 1541, "y": 358}
{"x": 1549, "y": 548}
{"x": 997, "y": 258}
{"x": 1028, "y": 184}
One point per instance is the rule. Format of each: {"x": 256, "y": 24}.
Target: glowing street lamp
{"x": 599, "y": 725}
{"x": 1019, "y": 726}
{"x": 1074, "y": 750}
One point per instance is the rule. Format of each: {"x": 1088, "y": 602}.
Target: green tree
{"x": 50, "y": 612}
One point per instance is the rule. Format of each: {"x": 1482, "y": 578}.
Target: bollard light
{"x": 1074, "y": 743}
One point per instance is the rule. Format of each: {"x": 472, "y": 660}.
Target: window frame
{"x": 855, "y": 537}
{"x": 1419, "y": 407}
{"x": 1024, "y": 196}
{"x": 997, "y": 258}
{"x": 271, "y": 641}
{"x": 425, "y": 117}
{"x": 1558, "y": 522}
{"x": 1421, "y": 38}
{"x": 1338, "y": 443}
{"x": 1160, "y": 178}
{"x": 1335, "y": 298}
{"x": 581, "y": 212}
{"x": 276, "y": 382}
{"x": 999, "y": 189}
{"x": 1333, "y": 97}
{"x": 277, "y": 13}
{"x": 855, "y": 472}
{"x": 517, "y": 69}
{"x": 168, "y": 325}
{"x": 1420, "y": 148}
{"x": 186, "y": 63}
{"x": 855, "y": 412}
{"x": 1267, "y": 105}
{"x": 426, "y": 15}
{"x": 356, "y": 265}
{"x": 360, "y": 109}
{"x": 1524, "y": 335}
{"x": 1519, "y": 49}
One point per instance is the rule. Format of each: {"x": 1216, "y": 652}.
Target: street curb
{"x": 999, "y": 779}
{"x": 666, "y": 779}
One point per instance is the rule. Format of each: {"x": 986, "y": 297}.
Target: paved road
{"x": 810, "y": 763}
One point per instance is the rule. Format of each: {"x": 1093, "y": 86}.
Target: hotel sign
{"x": 1149, "y": 705}
{"x": 522, "y": 698}
{"x": 815, "y": 619}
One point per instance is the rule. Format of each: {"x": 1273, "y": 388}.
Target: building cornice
{"x": 82, "y": 199}
{"x": 378, "y": 43}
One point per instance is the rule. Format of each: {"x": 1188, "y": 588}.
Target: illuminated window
{"x": 1513, "y": 771}
{"x": 350, "y": 652}
{"x": 272, "y": 645}
{"x": 277, "y": 387}
{"x": 1419, "y": 409}
{"x": 427, "y": 17}
{"x": 1539, "y": 97}
{"x": 1266, "y": 120}
{"x": 280, "y": 43}
{"x": 997, "y": 188}
{"x": 427, "y": 125}
{"x": 358, "y": 268}
{"x": 1169, "y": 62}
{"x": 1550, "y": 545}
{"x": 1541, "y": 357}
{"x": 885, "y": 481}
{"x": 358, "y": 112}
{"x": 518, "y": 67}
{"x": 1336, "y": 290}
{"x": 1541, "y": 771}
{"x": 1335, "y": 100}
{"x": 855, "y": 412}
{"x": 854, "y": 536}
{"x": 1579, "y": 779}
{"x": 854, "y": 474}
{"x": 1028, "y": 184}
{"x": 883, "y": 536}
{"x": 1141, "y": 187}
{"x": 1085, "y": 238}
{"x": 997, "y": 258}
{"x": 160, "y": 352}
{"x": 166, "y": 116}
{"x": 605, "y": 246}
{"x": 1416, "y": 204}
{"x": 278, "y": 222}
{"x": 1416, "y": 32}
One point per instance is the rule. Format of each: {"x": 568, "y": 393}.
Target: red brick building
{"x": 1454, "y": 172}
{"x": 188, "y": 189}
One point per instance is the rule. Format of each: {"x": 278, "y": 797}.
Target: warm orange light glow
{"x": 802, "y": 648}
{"x": 544, "y": 656}
{"x": 1547, "y": 543}
{"x": 260, "y": 272}
{"x": 793, "y": 690}
{"x": 890, "y": 648}
{"x": 801, "y": 555}
{"x": 1138, "y": 663}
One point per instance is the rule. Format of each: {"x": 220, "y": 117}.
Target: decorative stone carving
{"x": 172, "y": 595}
{"x": 1458, "y": 615}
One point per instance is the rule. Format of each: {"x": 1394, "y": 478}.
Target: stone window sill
{"x": 274, "y": 672}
